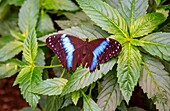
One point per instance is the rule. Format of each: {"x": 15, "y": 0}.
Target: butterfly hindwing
{"x": 103, "y": 50}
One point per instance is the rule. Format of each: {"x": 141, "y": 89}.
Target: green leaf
{"x": 30, "y": 47}
{"x": 104, "y": 16}
{"x": 9, "y": 23}
{"x": 67, "y": 100}
{"x": 75, "y": 96}
{"x": 28, "y": 78}
{"x": 53, "y": 103}
{"x": 71, "y": 108}
{"x": 29, "y": 109}
{"x": 8, "y": 69}
{"x": 89, "y": 104}
{"x": 155, "y": 83}
{"x": 75, "y": 19}
{"x": 16, "y": 2}
{"x": 158, "y": 2}
{"x": 130, "y": 10}
{"x": 110, "y": 96}
{"x": 158, "y": 44}
{"x": 83, "y": 32}
{"x": 129, "y": 67}
{"x": 10, "y": 50}
{"x": 4, "y": 9}
{"x": 82, "y": 77}
{"x": 45, "y": 23}
{"x": 135, "y": 109}
{"x": 5, "y": 39}
{"x": 136, "y": 42}
{"x": 50, "y": 86}
{"x": 67, "y": 5}
{"x": 17, "y": 35}
{"x": 40, "y": 59}
{"x": 146, "y": 24}
{"x": 28, "y": 15}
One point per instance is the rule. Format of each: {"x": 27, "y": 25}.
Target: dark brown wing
{"x": 103, "y": 49}
{"x": 64, "y": 46}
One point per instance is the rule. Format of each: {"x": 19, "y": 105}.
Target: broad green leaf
{"x": 146, "y": 24}
{"x": 75, "y": 96}
{"x": 136, "y": 42}
{"x": 75, "y": 19}
{"x": 8, "y": 69}
{"x": 155, "y": 83}
{"x": 158, "y": 44}
{"x": 50, "y": 86}
{"x": 17, "y": 35}
{"x": 130, "y": 10}
{"x": 4, "y": 8}
{"x": 122, "y": 106}
{"x": 29, "y": 109}
{"x": 135, "y": 109}
{"x": 30, "y": 47}
{"x": 82, "y": 77}
{"x": 9, "y": 23}
{"x": 53, "y": 103}
{"x": 104, "y": 16}
{"x": 129, "y": 67}
{"x": 67, "y": 100}
{"x": 45, "y": 24}
{"x": 89, "y": 104}
{"x": 5, "y": 40}
{"x": 158, "y": 2}
{"x": 28, "y": 15}
{"x": 40, "y": 59}
{"x": 10, "y": 50}
{"x": 28, "y": 79}
{"x": 16, "y": 2}
{"x": 67, "y": 5}
{"x": 110, "y": 96}
{"x": 71, "y": 108}
{"x": 83, "y": 32}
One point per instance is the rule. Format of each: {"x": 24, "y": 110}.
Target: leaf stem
{"x": 62, "y": 73}
{"x": 53, "y": 66}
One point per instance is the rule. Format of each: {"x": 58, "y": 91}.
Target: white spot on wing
{"x": 64, "y": 35}
{"x": 52, "y": 46}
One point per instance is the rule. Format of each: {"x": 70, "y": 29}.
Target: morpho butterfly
{"x": 73, "y": 51}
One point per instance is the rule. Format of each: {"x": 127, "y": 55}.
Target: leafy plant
{"x": 144, "y": 59}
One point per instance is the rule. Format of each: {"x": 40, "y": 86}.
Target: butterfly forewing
{"x": 64, "y": 46}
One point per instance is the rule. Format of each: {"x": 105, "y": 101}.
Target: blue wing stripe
{"x": 69, "y": 49}
{"x": 97, "y": 51}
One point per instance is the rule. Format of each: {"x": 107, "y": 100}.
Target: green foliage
{"x": 28, "y": 15}
{"x": 128, "y": 71}
{"x": 110, "y": 96}
{"x": 50, "y": 86}
{"x": 155, "y": 81}
{"x": 59, "y": 5}
{"x": 30, "y": 47}
{"x": 10, "y": 50}
{"x": 136, "y": 24}
{"x": 89, "y": 104}
{"x": 45, "y": 24}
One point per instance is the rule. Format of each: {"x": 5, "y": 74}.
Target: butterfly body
{"x": 73, "y": 51}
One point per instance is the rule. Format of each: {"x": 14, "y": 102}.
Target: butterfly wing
{"x": 64, "y": 46}
{"x": 103, "y": 49}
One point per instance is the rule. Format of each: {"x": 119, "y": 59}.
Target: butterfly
{"x": 73, "y": 51}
